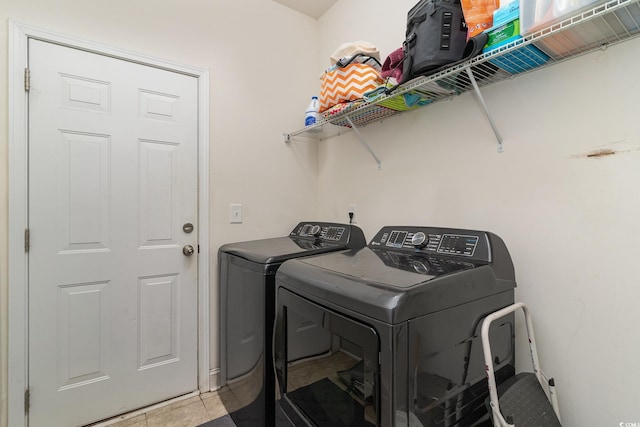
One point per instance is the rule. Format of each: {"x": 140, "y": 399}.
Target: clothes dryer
{"x": 247, "y": 309}
{"x": 403, "y": 316}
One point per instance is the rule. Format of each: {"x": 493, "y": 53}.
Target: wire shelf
{"x": 604, "y": 25}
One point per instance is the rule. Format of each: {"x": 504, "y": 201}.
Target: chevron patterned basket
{"x": 347, "y": 84}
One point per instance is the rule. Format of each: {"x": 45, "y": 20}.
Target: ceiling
{"x": 312, "y": 8}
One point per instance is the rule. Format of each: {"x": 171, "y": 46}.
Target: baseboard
{"x": 214, "y": 379}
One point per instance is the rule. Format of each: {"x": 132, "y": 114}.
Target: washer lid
{"x": 307, "y": 238}
{"x": 279, "y": 249}
{"x": 390, "y": 269}
{"x": 390, "y": 286}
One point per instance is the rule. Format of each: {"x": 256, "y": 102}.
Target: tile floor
{"x": 196, "y": 410}
{"x": 190, "y": 412}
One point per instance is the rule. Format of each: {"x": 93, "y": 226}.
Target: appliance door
{"x": 337, "y": 388}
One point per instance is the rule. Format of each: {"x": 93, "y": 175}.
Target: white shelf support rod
{"x": 486, "y": 110}
{"x": 364, "y": 142}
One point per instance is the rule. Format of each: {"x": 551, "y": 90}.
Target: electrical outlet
{"x": 352, "y": 213}
{"x": 235, "y": 213}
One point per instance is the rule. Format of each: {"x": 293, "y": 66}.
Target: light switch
{"x": 235, "y": 213}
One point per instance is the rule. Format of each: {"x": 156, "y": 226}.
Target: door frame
{"x": 19, "y": 34}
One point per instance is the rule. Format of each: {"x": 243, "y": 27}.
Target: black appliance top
{"x": 405, "y": 272}
{"x": 307, "y": 238}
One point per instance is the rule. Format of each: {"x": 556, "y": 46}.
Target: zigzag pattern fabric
{"x": 347, "y": 84}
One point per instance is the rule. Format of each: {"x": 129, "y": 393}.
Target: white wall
{"x": 570, "y": 221}
{"x": 259, "y": 56}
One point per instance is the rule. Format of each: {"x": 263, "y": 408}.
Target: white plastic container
{"x": 311, "y": 113}
{"x": 538, "y": 14}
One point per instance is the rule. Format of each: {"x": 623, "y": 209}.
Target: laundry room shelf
{"x": 597, "y": 28}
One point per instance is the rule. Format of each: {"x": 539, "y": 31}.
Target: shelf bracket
{"x": 364, "y": 142}
{"x": 486, "y": 110}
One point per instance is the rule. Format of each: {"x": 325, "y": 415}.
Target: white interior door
{"x": 112, "y": 181}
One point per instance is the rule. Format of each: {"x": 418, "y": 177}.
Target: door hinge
{"x": 27, "y": 239}
{"x": 27, "y": 397}
{"x": 27, "y": 79}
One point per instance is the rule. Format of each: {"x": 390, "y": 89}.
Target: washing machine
{"x": 247, "y": 309}
{"x": 403, "y": 318}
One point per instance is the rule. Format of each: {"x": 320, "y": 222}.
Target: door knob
{"x": 188, "y": 250}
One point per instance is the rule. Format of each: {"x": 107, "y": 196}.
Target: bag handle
{"x": 342, "y": 63}
{"x": 431, "y": 9}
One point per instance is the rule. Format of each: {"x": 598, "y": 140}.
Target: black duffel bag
{"x": 436, "y": 35}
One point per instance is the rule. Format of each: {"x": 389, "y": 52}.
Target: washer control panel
{"x": 457, "y": 244}
{"x": 322, "y": 231}
{"x": 433, "y": 240}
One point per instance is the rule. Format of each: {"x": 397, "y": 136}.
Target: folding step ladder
{"x": 521, "y": 400}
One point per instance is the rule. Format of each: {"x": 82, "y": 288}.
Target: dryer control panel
{"x": 467, "y": 244}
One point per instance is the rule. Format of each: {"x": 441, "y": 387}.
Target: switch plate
{"x": 235, "y": 213}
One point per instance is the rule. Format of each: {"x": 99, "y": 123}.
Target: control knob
{"x": 419, "y": 240}
{"x": 315, "y": 230}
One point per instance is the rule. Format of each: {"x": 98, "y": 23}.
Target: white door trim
{"x": 19, "y": 35}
